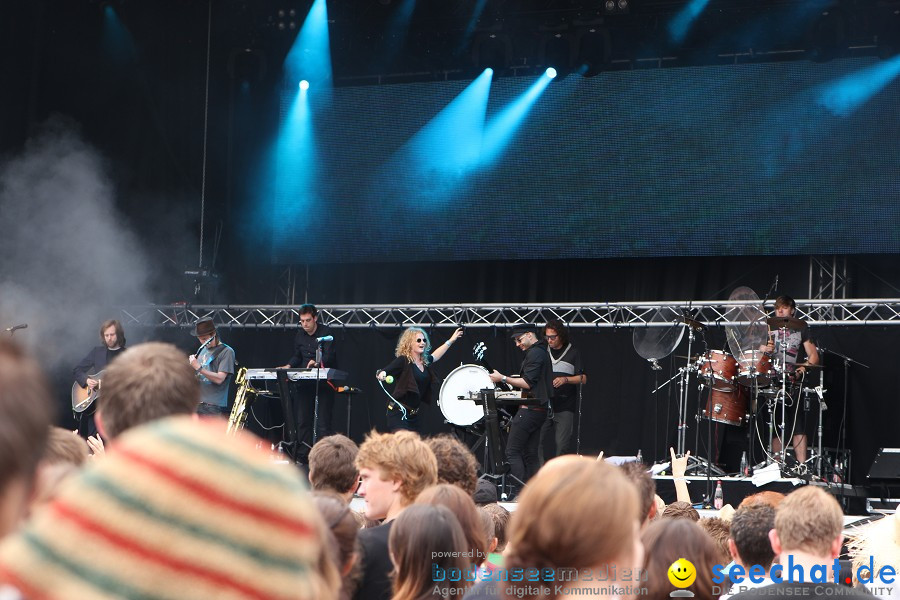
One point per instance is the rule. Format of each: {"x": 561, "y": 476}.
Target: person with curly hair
{"x": 413, "y": 377}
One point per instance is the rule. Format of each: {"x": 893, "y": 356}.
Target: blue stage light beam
{"x": 310, "y": 56}
{"x": 501, "y": 129}
{"x": 844, "y": 96}
{"x": 681, "y": 23}
{"x": 451, "y": 141}
{"x": 291, "y": 185}
{"x": 470, "y": 28}
{"x": 116, "y": 40}
{"x": 434, "y": 164}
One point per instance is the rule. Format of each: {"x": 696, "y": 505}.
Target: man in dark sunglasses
{"x": 536, "y": 376}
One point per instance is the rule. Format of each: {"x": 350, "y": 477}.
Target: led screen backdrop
{"x": 787, "y": 158}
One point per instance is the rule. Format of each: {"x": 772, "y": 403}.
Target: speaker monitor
{"x": 886, "y": 465}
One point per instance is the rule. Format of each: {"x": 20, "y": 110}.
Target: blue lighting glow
{"x": 681, "y": 23}
{"x": 470, "y": 28}
{"x": 847, "y": 94}
{"x": 117, "y": 41}
{"x": 502, "y": 128}
{"x": 550, "y": 72}
{"x": 310, "y": 56}
{"x": 434, "y": 164}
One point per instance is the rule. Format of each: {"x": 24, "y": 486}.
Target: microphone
{"x": 325, "y": 338}
{"x": 346, "y": 389}
{"x": 17, "y": 327}
{"x": 776, "y": 281}
{"x": 389, "y": 379}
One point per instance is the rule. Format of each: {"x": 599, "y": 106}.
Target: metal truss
{"x": 843, "y": 312}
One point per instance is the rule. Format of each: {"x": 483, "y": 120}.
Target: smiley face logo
{"x": 682, "y": 573}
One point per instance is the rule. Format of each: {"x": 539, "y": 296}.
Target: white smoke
{"x": 67, "y": 259}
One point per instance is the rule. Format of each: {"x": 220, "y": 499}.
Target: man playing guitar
{"x": 88, "y": 371}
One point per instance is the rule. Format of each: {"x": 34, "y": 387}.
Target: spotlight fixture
{"x": 304, "y": 85}
{"x": 550, "y": 72}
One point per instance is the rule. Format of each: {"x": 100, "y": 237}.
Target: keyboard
{"x": 297, "y": 374}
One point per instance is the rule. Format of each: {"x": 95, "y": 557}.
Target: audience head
{"x": 768, "y": 498}
{"x": 179, "y": 510}
{"x": 667, "y": 540}
{"x": 65, "y": 454}
{"x": 144, "y": 383}
{"x": 456, "y": 463}
{"x": 488, "y": 529}
{"x": 637, "y": 473}
{"x": 485, "y": 492}
{"x": 26, "y": 409}
{"x": 575, "y": 513}
{"x": 809, "y": 520}
{"x": 749, "y": 537}
{"x": 65, "y": 447}
{"x": 501, "y": 518}
{"x": 422, "y": 537}
{"x": 342, "y": 529}
{"x": 394, "y": 468}
{"x": 718, "y": 530}
{"x": 332, "y": 465}
{"x": 463, "y": 507}
{"x": 681, "y": 510}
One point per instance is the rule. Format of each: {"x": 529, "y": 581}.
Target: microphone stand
{"x": 315, "y": 431}
{"x": 843, "y": 433}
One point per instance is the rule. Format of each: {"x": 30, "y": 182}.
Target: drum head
{"x": 464, "y": 381}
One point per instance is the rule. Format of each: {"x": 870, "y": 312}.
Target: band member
{"x": 525, "y": 430}
{"x": 413, "y": 377}
{"x": 786, "y": 345}
{"x": 306, "y": 351}
{"x": 88, "y": 372}
{"x": 214, "y": 365}
{"x": 568, "y": 374}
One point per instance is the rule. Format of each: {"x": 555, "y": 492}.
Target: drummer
{"x": 413, "y": 376}
{"x": 787, "y": 337}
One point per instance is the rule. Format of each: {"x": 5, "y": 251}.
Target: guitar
{"x": 83, "y": 397}
{"x": 478, "y": 354}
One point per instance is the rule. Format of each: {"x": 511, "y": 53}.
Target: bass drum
{"x": 454, "y": 399}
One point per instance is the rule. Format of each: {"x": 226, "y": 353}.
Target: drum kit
{"x": 738, "y": 380}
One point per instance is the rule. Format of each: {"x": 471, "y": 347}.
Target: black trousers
{"x": 522, "y": 444}
{"x": 304, "y": 405}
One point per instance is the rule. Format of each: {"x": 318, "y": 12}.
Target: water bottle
{"x": 836, "y": 474}
{"x": 639, "y": 458}
{"x": 745, "y": 468}
{"x": 718, "y": 499}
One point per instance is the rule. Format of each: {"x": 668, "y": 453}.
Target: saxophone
{"x": 242, "y": 398}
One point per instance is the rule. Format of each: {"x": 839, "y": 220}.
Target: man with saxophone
{"x": 214, "y": 365}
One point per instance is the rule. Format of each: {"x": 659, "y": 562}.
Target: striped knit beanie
{"x": 176, "y": 510}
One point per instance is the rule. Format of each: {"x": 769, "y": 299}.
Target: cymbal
{"x": 786, "y": 323}
{"x": 693, "y": 323}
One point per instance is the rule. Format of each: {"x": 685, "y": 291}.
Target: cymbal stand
{"x": 683, "y": 386}
{"x": 819, "y": 390}
{"x": 683, "y": 375}
{"x": 784, "y": 378}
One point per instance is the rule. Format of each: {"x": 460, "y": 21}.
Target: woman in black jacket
{"x": 413, "y": 376}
